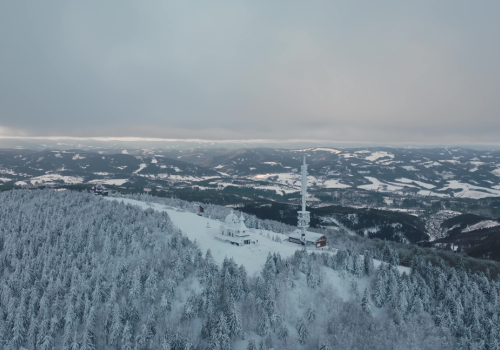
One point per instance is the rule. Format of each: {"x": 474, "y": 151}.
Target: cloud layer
{"x": 330, "y": 70}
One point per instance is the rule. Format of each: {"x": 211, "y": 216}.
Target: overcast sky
{"x": 412, "y": 71}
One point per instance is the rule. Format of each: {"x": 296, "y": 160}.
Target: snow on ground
{"x": 482, "y": 224}
{"x": 380, "y": 186}
{"x": 334, "y": 183}
{"x": 380, "y": 154}
{"x": 430, "y": 193}
{"x": 77, "y": 156}
{"x": 117, "y": 182}
{"x": 496, "y": 172}
{"x": 154, "y": 161}
{"x": 7, "y": 171}
{"x": 409, "y": 168}
{"x": 431, "y": 164}
{"x": 5, "y": 179}
{"x": 124, "y": 151}
{"x": 253, "y": 257}
{"x": 470, "y": 191}
{"x": 420, "y": 183}
{"x": 54, "y": 177}
{"x": 316, "y": 149}
{"x": 21, "y": 183}
{"x": 142, "y": 166}
{"x": 284, "y": 178}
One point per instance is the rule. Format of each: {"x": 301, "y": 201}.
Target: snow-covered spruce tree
{"x": 302, "y": 331}
{"x": 366, "y": 302}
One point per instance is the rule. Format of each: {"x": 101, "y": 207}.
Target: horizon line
{"x": 158, "y": 139}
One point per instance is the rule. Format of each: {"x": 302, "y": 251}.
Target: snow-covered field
{"x": 376, "y": 155}
{"x": 54, "y": 177}
{"x": 377, "y": 185}
{"x": 470, "y": 191}
{"x": 481, "y": 225}
{"x": 117, "y": 182}
{"x": 420, "y": 183}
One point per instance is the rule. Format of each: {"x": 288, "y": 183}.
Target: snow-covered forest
{"x": 80, "y": 272}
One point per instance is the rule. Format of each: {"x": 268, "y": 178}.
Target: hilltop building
{"x": 301, "y": 235}
{"x": 234, "y": 230}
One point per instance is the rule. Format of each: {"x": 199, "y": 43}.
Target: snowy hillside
{"x": 81, "y": 272}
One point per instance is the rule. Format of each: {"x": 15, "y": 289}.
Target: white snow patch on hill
{"x": 142, "y": 166}
{"x": 316, "y": 149}
{"x": 5, "y": 179}
{"x": 470, "y": 191}
{"x": 409, "y": 168}
{"x": 334, "y": 183}
{"x": 54, "y": 177}
{"x": 7, "y": 171}
{"x": 496, "y": 172}
{"x": 77, "y": 156}
{"x": 481, "y": 225}
{"x": 117, "y": 182}
{"x": 420, "y": 183}
{"x": 380, "y": 154}
{"x": 377, "y": 185}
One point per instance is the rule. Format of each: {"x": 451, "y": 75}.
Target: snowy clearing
{"x": 481, "y": 225}
{"x": 55, "y": 177}
{"x": 117, "y": 182}
{"x": 142, "y": 166}
{"x": 420, "y": 183}
{"x": 253, "y": 257}
{"x": 381, "y": 154}
{"x": 470, "y": 191}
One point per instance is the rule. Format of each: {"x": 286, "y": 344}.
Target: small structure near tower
{"x": 100, "y": 190}
{"x": 301, "y": 235}
{"x": 234, "y": 230}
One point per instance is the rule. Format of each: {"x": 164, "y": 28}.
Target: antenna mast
{"x": 303, "y": 215}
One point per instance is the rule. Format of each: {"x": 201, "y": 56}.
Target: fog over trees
{"x": 80, "y": 272}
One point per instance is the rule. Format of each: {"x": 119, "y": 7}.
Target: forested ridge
{"x": 80, "y": 272}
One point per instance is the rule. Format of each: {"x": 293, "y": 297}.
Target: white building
{"x": 234, "y": 230}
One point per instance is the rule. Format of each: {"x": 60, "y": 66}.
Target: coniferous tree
{"x": 302, "y": 331}
{"x": 251, "y": 345}
{"x": 234, "y": 320}
{"x": 366, "y": 303}
{"x": 127, "y": 337}
{"x": 264, "y": 325}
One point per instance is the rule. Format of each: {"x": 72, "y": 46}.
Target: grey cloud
{"x": 347, "y": 71}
